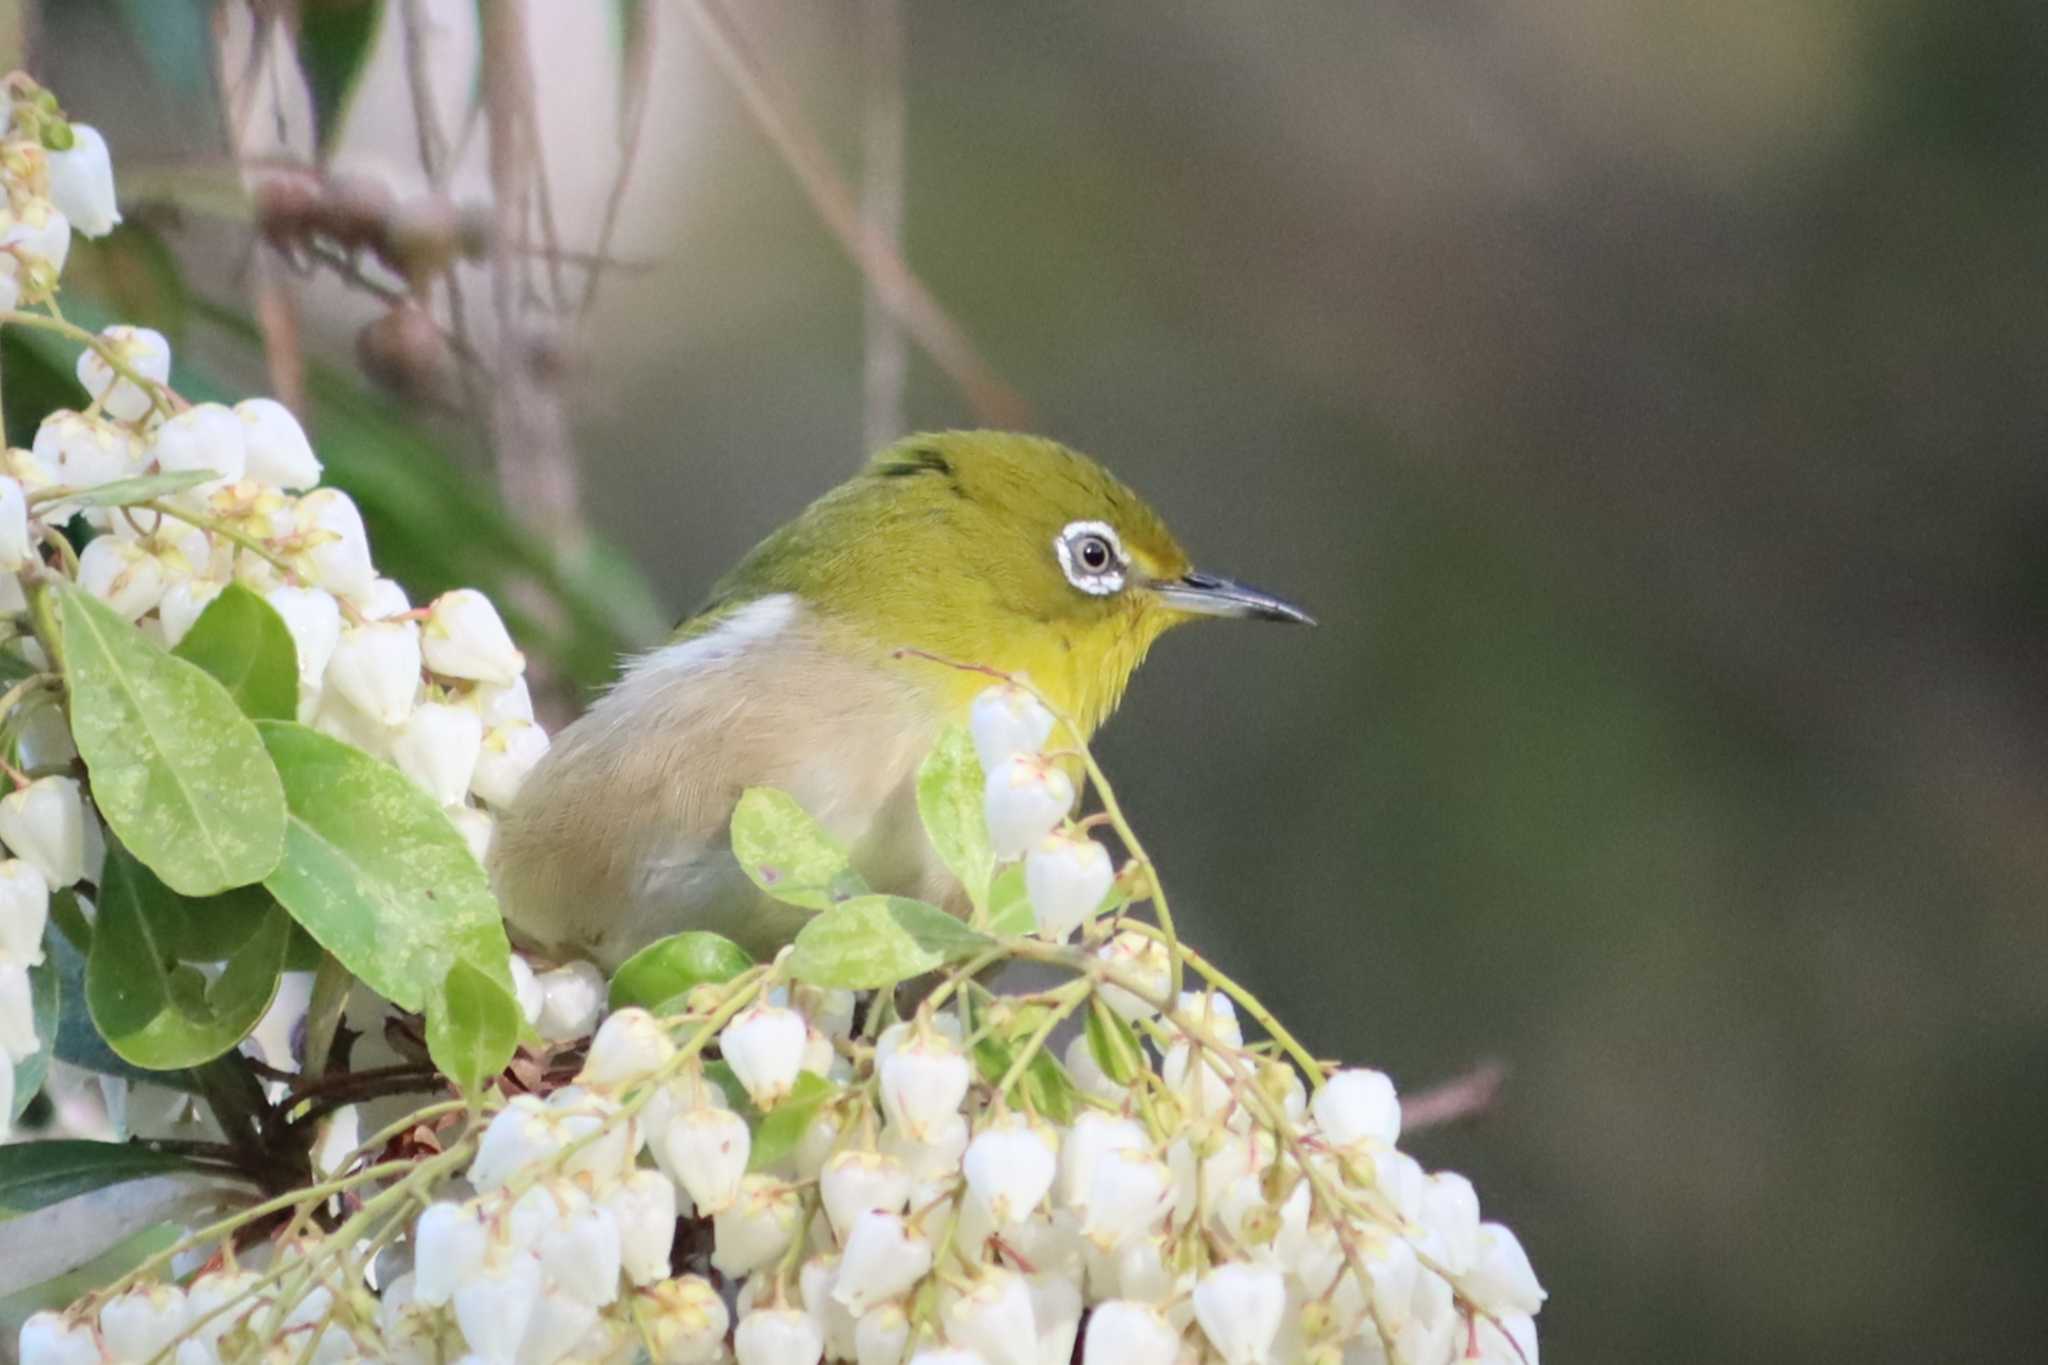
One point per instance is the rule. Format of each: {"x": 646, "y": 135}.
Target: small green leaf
{"x": 1009, "y": 906}
{"x": 242, "y": 641}
{"x": 780, "y": 1129}
{"x": 473, "y": 1024}
{"x": 335, "y": 41}
{"x": 373, "y": 869}
{"x": 670, "y": 968}
{"x": 154, "y": 1010}
{"x": 1044, "y": 1086}
{"x": 788, "y": 854}
{"x": 31, "y": 1071}
{"x": 34, "y": 1175}
{"x": 720, "y": 1073}
{"x": 78, "y": 1041}
{"x": 949, "y": 801}
{"x": 1113, "y": 1044}
{"x": 875, "y": 941}
{"x": 177, "y": 770}
{"x": 128, "y": 492}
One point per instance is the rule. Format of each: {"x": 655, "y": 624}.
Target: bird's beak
{"x": 1201, "y": 594}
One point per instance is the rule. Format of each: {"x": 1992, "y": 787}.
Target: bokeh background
{"x": 1646, "y": 397}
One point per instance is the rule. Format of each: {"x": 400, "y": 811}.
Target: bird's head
{"x": 1011, "y": 551}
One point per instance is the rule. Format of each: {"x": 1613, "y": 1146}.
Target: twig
{"x": 1461, "y": 1097}
{"x": 992, "y": 399}
{"x": 881, "y": 211}
{"x": 633, "y": 86}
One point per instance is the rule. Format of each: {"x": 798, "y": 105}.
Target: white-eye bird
{"x": 985, "y": 547}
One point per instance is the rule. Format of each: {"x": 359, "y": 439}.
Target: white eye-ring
{"x": 1092, "y": 557}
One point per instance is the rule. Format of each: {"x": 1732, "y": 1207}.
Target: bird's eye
{"x": 1092, "y": 557}
{"x": 1094, "y": 554}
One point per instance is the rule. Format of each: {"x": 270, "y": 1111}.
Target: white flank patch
{"x": 759, "y": 620}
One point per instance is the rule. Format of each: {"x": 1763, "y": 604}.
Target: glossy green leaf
{"x": 31, "y": 1071}
{"x": 949, "y": 801}
{"x": 36, "y": 1174}
{"x": 780, "y": 1129}
{"x": 1009, "y": 907}
{"x": 215, "y": 928}
{"x": 788, "y": 854}
{"x": 128, "y": 492}
{"x": 1113, "y": 1044}
{"x": 875, "y": 941}
{"x": 373, "y": 869}
{"x": 155, "y": 1009}
{"x": 242, "y": 641}
{"x": 473, "y": 1025}
{"x": 720, "y": 1073}
{"x": 177, "y": 770}
{"x": 670, "y": 968}
{"x": 1044, "y": 1086}
{"x": 336, "y": 38}
{"x": 78, "y": 1040}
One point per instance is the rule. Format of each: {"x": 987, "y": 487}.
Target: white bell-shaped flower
{"x": 853, "y": 1182}
{"x": 336, "y": 552}
{"x": 448, "y": 1244}
{"x": 82, "y": 182}
{"x": 1025, "y": 797}
{"x": 17, "y": 545}
{"x": 494, "y": 1306}
{"x": 464, "y": 638}
{"x": 644, "y": 1204}
{"x": 1006, "y": 720}
{"x": 1145, "y": 958}
{"x": 1450, "y": 1221}
{"x": 24, "y": 910}
{"x": 1127, "y": 1196}
{"x": 764, "y": 1046}
{"x": 183, "y": 601}
{"x": 204, "y": 436}
{"x": 582, "y": 1256}
{"x": 143, "y": 1321}
{"x": 778, "y": 1336}
{"x": 1092, "y": 1136}
{"x": 376, "y": 666}
{"x": 1501, "y": 1280}
{"x": 931, "y": 1159}
{"x": 80, "y": 451}
{"x": 219, "y": 1300}
{"x": 707, "y": 1149}
{"x": 33, "y": 249}
{"x": 18, "y": 1039}
{"x": 53, "y": 1339}
{"x": 923, "y": 1080}
{"x": 1391, "y": 1265}
{"x": 122, "y": 574}
{"x": 509, "y": 753}
{"x": 572, "y": 996}
{"x": 278, "y": 452}
{"x": 1239, "y": 1307}
{"x": 1121, "y": 1332}
{"x": 1010, "y": 1168}
{"x": 881, "y": 1335}
{"x": 629, "y": 1044}
{"x": 1056, "y": 1311}
{"x": 1066, "y": 876}
{"x": 994, "y": 1319}
{"x": 314, "y": 619}
{"x": 437, "y": 747}
{"x": 518, "y": 1137}
{"x": 580, "y": 1113}
{"x": 757, "y": 1228}
{"x": 561, "y": 1323}
{"x": 526, "y": 988}
{"x": 44, "y": 824}
{"x": 686, "y": 1321}
{"x": 1510, "y": 1340}
{"x": 1087, "y": 1073}
{"x": 144, "y": 352}
{"x": 883, "y": 1258}
{"x": 1357, "y": 1105}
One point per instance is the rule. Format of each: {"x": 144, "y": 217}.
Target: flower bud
{"x": 509, "y": 753}
{"x": 24, "y": 910}
{"x": 1239, "y": 1308}
{"x": 44, "y": 824}
{"x": 923, "y": 1080}
{"x": 1141, "y": 956}
{"x": 1357, "y": 1105}
{"x": 1006, "y": 720}
{"x": 572, "y": 995}
{"x": 627, "y": 1046}
{"x": 337, "y": 549}
{"x": 144, "y": 352}
{"x": 582, "y": 1256}
{"x": 1025, "y": 797}
{"x": 122, "y": 574}
{"x": 1126, "y": 1196}
{"x": 707, "y": 1149}
{"x": 376, "y": 667}
{"x": 757, "y": 1228}
{"x": 278, "y": 452}
{"x": 183, "y": 600}
{"x": 764, "y": 1045}
{"x": 1501, "y": 1281}
{"x": 777, "y": 1336}
{"x": 1121, "y": 1332}
{"x": 448, "y": 1245}
{"x": 1010, "y": 1168}
{"x": 314, "y": 619}
{"x": 33, "y": 248}
{"x": 82, "y": 182}
{"x": 644, "y": 1203}
{"x": 437, "y": 747}
{"x": 53, "y": 1339}
{"x": 143, "y": 1321}
{"x": 686, "y": 1321}
{"x": 205, "y": 436}
{"x": 853, "y": 1182}
{"x": 994, "y": 1319}
{"x": 494, "y": 1306}
{"x": 1066, "y": 876}
{"x": 17, "y": 546}
{"x": 881, "y": 1335}
{"x": 465, "y": 639}
{"x": 883, "y": 1258}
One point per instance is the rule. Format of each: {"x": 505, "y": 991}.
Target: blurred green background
{"x": 1645, "y": 396}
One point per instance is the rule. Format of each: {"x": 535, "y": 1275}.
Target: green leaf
{"x": 670, "y": 968}
{"x": 1113, "y": 1044}
{"x": 177, "y": 770}
{"x": 949, "y": 801}
{"x": 78, "y": 1040}
{"x": 473, "y": 1024}
{"x": 335, "y": 41}
{"x": 154, "y": 1009}
{"x": 31, "y": 1071}
{"x": 176, "y": 38}
{"x": 875, "y": 941}
{"x": 779, "y": 1130}
{"x": 128, "y": 492}
{"x": 1044, "y": 1086}
{"x": 215, "y": 928}
{"x": 788, "y": 854}
{"x": 373, "y": 869}
{"x": 1009, "y": 906}
{"x": 34, "y": 1175}
{"x": 242, "y": 641}
{"x": 134, "y": 271}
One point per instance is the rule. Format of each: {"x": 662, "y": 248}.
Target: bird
{"x": 811, "y": 668}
